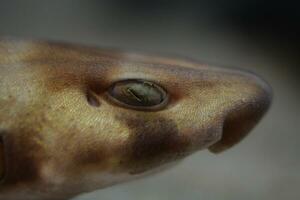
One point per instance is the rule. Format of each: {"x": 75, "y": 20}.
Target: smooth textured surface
{"x": 57, "y": 145}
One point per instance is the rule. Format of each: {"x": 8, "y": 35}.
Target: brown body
{"x": 61, "y": 134}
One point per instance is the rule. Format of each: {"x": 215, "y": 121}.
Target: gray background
{"x": 255, "y": 35}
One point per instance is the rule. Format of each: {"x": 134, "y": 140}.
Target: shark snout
{"x": 250, "y": 98}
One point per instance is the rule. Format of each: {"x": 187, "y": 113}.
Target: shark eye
{"x": 138, "y": 94}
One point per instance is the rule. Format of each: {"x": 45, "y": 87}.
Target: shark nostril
{"x": 245, "y": 113}
{"x": 236, "y": 126}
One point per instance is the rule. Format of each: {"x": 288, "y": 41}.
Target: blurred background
{"x": 261, "y": 36}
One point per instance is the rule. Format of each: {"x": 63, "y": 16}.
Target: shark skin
{"x": 74, "y": 119}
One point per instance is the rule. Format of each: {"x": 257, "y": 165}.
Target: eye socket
{"x": 138, "y": 94}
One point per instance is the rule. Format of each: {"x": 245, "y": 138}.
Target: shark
{"x": 75, "y": 118}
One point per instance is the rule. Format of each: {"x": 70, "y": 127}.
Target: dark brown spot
{"x": 23, "y": 161}
{"x": 90, "y": 154}
{"x": 154, "y": 141}
{"x": 237, "y": 125}
{"x": 82, "y": 148}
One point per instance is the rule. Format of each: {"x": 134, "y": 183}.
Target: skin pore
{"x": 74, "y": 119}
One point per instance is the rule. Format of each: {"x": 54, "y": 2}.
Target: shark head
{"x": 75, "y": 119}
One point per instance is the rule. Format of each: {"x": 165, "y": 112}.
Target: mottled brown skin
{"x": 60, "y": 134}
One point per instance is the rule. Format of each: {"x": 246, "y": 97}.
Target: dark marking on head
{"x": 154, "y": 141}
{"x": 23, "y": 155}
{"x": 78, "y": 150}
{"x": 63, "y": 66}
{"x": 238, "y": 123}
{"x": 90, "y": 154}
